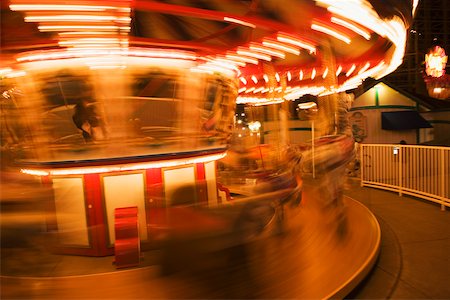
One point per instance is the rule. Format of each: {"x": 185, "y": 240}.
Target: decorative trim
{"x": 382, "y": 106}
{"x": 139, "y": 159}
{"x": 135, "y": 166}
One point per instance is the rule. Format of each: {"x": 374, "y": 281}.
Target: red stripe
{"x": 95, "y": 215}
{"x": 156, "y": 210}
{"x": 202, "y": 189}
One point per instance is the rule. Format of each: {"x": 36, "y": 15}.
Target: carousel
{"x": 163, "y": 105}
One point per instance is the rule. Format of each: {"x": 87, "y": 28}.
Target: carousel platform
{"x": 312, "y": 258}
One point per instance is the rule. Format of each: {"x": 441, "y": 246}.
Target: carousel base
{"x": 319, "y": 254}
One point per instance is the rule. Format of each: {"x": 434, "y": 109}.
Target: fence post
{"x": 442, "y": 159}
{"x": 400, "y": 162}
{"x": 361, "y": 163}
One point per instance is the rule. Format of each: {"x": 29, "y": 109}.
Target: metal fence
{"x": 421, "y": 171}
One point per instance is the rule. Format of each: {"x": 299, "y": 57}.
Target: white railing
{"x": 421, "y": 171}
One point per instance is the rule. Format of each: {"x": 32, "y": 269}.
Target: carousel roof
{"x": 279, "y": 49}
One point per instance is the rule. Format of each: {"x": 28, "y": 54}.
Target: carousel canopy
{"x": 278, "y": 49}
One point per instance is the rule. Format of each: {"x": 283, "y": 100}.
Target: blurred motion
{"x": 136, "y": 111}
{"x": 24, "y": 206}
{"x": 160, "y": 131}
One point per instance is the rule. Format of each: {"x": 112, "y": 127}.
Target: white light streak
{"x": 325, "y": 73}
{"x": 258, "y": 90}
{"x": 139, "y": 52}
{"x": 45, "y": 28}
{"x": 266, "y": 50}
{"x": 77, "y": 18}
{"x": 254, "y": 54}
{"x": 231, "y": 61}
{"x": 281, "y": 46}
{"x": 331, "y": 32}
{"x": 363, "y": 69}
{"x": 296, "y": 42}
{"x": 240, "y": 22}
{"x": 350, "y": 71}
{"x": 85, "y": 33}
{"x": 15, "y": 74}
{"x": 258, "y": 100}
{"x": 94, "y": 41}
{"x": 364, "y": 33}
{"x": 242, "y": 58}
{"x": 5, "y": 71}
{"x": 56, "y": 7}
{"x": 297, "y": 92}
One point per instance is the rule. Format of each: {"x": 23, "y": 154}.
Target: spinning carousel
{"x": 119, "y": 104}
